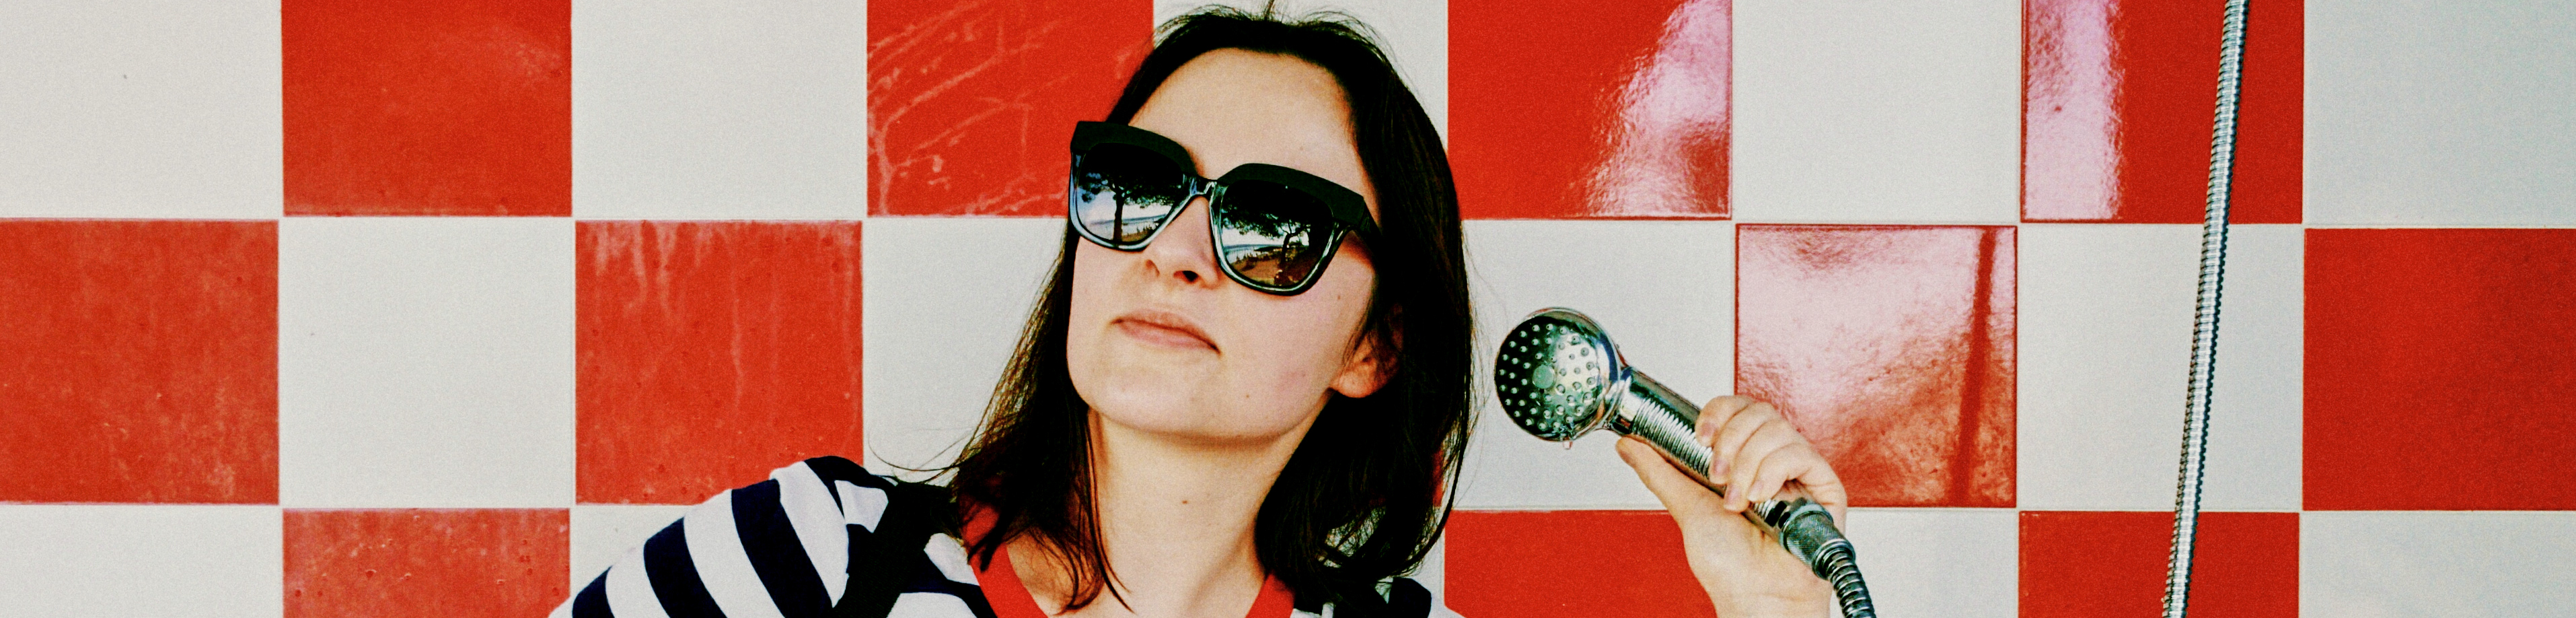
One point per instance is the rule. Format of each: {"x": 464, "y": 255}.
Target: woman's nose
{"x": 1181, "y": 251}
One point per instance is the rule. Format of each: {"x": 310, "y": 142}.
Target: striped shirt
{"x": 783, "y": 548}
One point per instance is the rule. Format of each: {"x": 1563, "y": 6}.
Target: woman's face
{"x": 1161, "y": 341}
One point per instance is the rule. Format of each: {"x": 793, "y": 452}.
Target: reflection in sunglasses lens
{"x": 1123, "y": 193}
{"x": 1270, "y": 234}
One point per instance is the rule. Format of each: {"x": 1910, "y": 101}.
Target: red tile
{"x": 2112, "y": 564}
{"x": 1890, "y": 347}
{"x": 2118, "y": 99}
{"x": 971, "y": 104}
{"x": 1569, "y": 564}
{"x": 2441, "y": 350}
{"x": 427, "y": 107}
{"x": 711, "y": 353}
{"x": 392, "y": 563}
{"x": 138, "y": 361}
{"x": 1574, "y": 109}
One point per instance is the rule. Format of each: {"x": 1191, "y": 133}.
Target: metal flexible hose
{"x": 1824, "y": 550}
{"x": 1844, "y": 575}
{"x": 2204, "y": 338}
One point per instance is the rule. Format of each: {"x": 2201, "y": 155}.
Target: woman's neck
{"x": 1176, "y": 520}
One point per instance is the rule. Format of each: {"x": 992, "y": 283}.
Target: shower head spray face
{"x": 1557, "y": 375}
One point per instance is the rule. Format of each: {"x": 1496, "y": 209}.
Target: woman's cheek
{"x": 1283, "y": 399}
{"x": 1300, "y": 351}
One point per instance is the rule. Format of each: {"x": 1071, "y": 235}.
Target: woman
{"x": 1241, "y": 396}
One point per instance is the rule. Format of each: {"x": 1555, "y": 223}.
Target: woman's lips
{"x": 1163, "y": 329}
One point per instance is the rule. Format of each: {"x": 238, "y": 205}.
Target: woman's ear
{"x": 1371, "y": 363}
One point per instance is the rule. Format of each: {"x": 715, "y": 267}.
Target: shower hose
{"x": 2204, "y": 332}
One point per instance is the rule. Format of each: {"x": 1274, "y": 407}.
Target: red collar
{"x": 1011, "y": 599}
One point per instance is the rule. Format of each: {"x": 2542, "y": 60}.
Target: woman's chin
{"x": 1150, "y": 412}
{"x": 1180, "y": 423}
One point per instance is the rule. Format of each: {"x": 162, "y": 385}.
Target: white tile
{"x": 1665, "y": 292}
{"x": 1433, "y": 572}
{"x": 602, "y": 533}
{"x": 141, "y": 560}
{"x": 1414, "y": 34}
{"x": 1890, "y": 112}
{"x": 2436, "y": 564}
{"x": 2441, "y": 113}
{"x": 159, "y": 108}
{"x": 2257, "y": 399}
{"x": 425, "y": 362}
{"x": 1939, "y": 562}
{"x": 945, "y": 301}
{"x": 2105, "y": 341}
{"x": 701, "y": 109}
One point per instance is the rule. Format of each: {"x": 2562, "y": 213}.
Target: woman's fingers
{"x": 1727, "y": 442}
{"x": 1744, "y": 468}
{"x": 1755, "y": 453}
{"x": 1783, "y": 458}
{"x": 1714, "y": 414}
{"x": 1827, "y": 489}
{"x": 1775, "y": 471}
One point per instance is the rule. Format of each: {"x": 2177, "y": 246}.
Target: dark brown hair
{"x": 1367, "y": 490}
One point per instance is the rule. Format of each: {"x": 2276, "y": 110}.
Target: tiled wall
{"x": 424, "y": 307}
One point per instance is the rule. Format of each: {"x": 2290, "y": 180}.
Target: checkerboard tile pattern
{"x": 321, "y": 307}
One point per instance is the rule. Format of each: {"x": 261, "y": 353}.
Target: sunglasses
{"x": 1273, "y": 228}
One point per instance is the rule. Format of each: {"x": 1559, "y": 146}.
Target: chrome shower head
{"x": 1557, "y": 375}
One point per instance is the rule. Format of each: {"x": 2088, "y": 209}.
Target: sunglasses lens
{"x": 1123, "y": 193}
{"x": 1271, "y": 235}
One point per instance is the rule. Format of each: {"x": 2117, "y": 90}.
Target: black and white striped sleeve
{"x": 776, "y": 549}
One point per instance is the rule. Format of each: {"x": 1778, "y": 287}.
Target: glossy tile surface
{"x": 711, "y": 353}
{"x": 1891, "y": 348}
{"x": 717, "y": 157}
{"x": 138, "y": 361}
{"x": 971, "y": 104}
{"x": 2112, "y": 563}
{"x": 2117, "y": 102}
{"x": 1900, "y": 112}
{"x": 424, "y": 562}
{"x": 1577, "y": 109}
{"x": 1569, "y": 564}
{"x": 2440, "y": 348}
{"x": 428, "y": 107}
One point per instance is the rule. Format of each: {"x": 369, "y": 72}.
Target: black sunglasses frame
{"x": 1348, "y": 211}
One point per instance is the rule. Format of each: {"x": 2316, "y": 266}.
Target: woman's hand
{"x": 1757, "y": 454}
